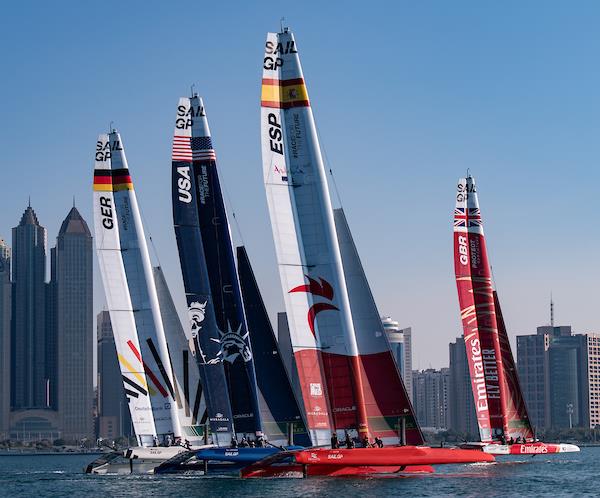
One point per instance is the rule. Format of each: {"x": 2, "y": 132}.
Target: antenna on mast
{"x": 551, "y": 310}
{"x": 283, "y": 29}
{"x": 192, "y": 89}
{"x": 110, "y": 127}
{"x": 468, "y": 172}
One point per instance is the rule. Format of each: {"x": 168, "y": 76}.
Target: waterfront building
{"x": 5, "y": 319}
{"x": 114, "y": 419}
{"x": 593, "y": 364}
{"x": 430, "y": 397}
{"x": 73, "y": 336}
{"x": 401, "y": 344}
{"x": 461, "y": 408}
{"x": 29, "y": 380}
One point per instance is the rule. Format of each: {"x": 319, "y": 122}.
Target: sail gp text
{"x": 272, "y": 61}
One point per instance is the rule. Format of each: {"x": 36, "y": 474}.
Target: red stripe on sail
{"x": 149, "y": 372}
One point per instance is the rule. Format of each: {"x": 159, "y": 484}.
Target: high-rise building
{"x": 401, "y": 345}
{"x": 553, "y": 370}
{"x": 593, "y": 362}
{"x": 5, "y": 313}
{"x": 430, "y": 397}
{"x": 114, "y": 419}
{"x": 461, "y": 407}
{"x": 73, "y": 288}
{"x": 28, "y": 362}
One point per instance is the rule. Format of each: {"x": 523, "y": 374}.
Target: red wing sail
{"x": 475, "y": 295}
{"x": 517, "y": 417}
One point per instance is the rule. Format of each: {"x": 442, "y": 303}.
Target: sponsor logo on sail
{"x": 321, "y": 289}
{"x": 316, "y": 390}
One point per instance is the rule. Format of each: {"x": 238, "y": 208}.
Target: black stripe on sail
{"x": 186, "y": 382}
{"x": 177, "y": 396}
{"x": 204, "y": 417}
{"x": 161, "y": 367}
{"x": 139, "y": 388}
{"x": 120, "y": 172}
{"x": 197, "y": 402}
{"x": 102, "y": 172}
{"x": 131, "y": 393}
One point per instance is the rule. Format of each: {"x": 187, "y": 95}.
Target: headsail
{"x": 478, "y": 313}
{"x": 517, "y": 418}
{"x": 202, "y": 330}
{"x": 272, "y": 378}
{"x": 127, "y": 295}
{"x": 388, "y": 405}
{"x": 191, "y": 407}
{"x": 318, "y": 309}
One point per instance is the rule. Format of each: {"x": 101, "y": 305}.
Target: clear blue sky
{"x": 407, "y": 96}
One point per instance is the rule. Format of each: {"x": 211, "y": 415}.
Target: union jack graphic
{"x": 467, "y": 218}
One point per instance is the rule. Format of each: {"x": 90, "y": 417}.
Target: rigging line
{"x": 147, "y": 230}
{"x": 232, "y": 209}
{"x": 329, "y": 167}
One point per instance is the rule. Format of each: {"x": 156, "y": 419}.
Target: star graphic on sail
{"x": 323, "y": 289}
{"x": 234, "y": 345}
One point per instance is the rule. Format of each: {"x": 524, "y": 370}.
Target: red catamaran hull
{"x": 537, "y": 448}
{"x": 362, "y": 461}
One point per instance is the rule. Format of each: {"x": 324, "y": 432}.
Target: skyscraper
{"x": 113, "y": 411}
{"x": 553, "y": 369}
{"x": 593, "y": 362}
{"x": 5, "y": 312}
{"x": 461, "y": 408}
{"x": 72, "y": 282}
{"x": 28, "y": 359}
{"x": 400, "y": 343}
{"x": 431, "y": 397}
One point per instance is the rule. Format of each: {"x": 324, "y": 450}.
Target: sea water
{"x": 569, "y": 474}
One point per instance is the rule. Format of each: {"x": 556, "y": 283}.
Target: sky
{"x": 407, "y": 97}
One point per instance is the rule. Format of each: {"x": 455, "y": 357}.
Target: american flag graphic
{"x": 471, "y": 217}
{"x": 202, "y": 149}
{"x": 182, "y": 150}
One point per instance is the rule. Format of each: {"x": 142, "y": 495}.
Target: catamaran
{"x": 163, "y": 392}
{"x": 350, "y": 385}
{"x": 230, "y": 317}
{"x": 499, "y": 403}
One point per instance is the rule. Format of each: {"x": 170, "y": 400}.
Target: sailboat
{"x": 499, "y": 403}
{"x": 350, "y": 385}
{"x": 158, "y": 401}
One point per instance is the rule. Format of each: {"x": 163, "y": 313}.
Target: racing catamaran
{"x": 159, "y": 402}
{"x": 504, "y": 424}
{"x": 350, "y": 384}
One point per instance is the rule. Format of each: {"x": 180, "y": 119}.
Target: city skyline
{"x": 517, "y": 111}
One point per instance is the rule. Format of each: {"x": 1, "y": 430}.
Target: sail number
{"x": 106, "y": 212}
{"x": 275, "y": 134}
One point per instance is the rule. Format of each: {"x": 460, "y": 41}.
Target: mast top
{"x": 284, "y": 29}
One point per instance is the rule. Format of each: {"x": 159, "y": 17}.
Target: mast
{"x": 478, "y": 313}
{"x": 308, "y": 254}
{"x": 202, "y": 329}
{"x": 153, "y": 352}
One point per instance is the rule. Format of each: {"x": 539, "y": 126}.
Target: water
{"x": 574, "y": 474}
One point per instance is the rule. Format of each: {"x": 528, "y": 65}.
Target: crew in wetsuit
{"x": 234, "y": 443}
{"x": 335, "y": 444}
{"x": 244, "y": 442}
{"x": 378, "y": 442}
{"x": 365, "y": 442}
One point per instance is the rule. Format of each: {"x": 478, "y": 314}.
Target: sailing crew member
{"x": 244, "y": 442}
{"x": 335, "y": 444}
{"x": 378, "y": 442}
{"x": 234, "y": 443}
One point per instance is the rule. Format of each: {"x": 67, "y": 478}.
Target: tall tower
{"x": 28, "y": 362}
{"x": 400, "y": 343}
{"x": 72, "y": 283}
{"x": 5, "y": 313}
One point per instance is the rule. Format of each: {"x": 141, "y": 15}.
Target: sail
{"x": 202, "y": 329}
{"x": 478, "y": 314}
{"x": 272, "y": 378}
{"x": 152, "y": 353}
{"x": 517, "y": 418}
{"x": 191, "y": 407}
{"x": 386, "y": 399}
{"x": 227, "y": 300}
{"x": 310, "y": 266}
